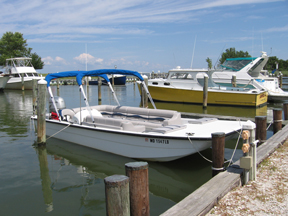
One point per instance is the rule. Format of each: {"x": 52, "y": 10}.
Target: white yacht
{"x": 18, "y": 68}
{"x": 249, "y": 74}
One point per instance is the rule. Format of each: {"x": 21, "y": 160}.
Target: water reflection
{"x": 249, "y": 112}
{"x": 171, "y": 181}
{"x": 16, "y": 107}
{"x": 45, "y": 178}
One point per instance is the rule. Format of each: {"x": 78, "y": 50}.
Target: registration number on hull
{"x": 158, "y": 141}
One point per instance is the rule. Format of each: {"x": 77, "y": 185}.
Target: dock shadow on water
{"x": 67, "y": 179}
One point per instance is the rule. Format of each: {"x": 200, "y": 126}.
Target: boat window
{"x": 35, "y": 74}
{"x": 236, "y": 64}
{"x": 30, "y": 74}
{"x": 16, "y": 75}
{"x": 257, "y": 64}
{"x": 181, "y": 75}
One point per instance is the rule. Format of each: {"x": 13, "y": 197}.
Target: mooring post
{"x": 205, "y": 91}
{"x": 144, "y": 93}
{"x": 218, "y": 146}
{"x": 117, "y": 195}
{"x": 41, "y": 112}
{"x": 261, "y": 132}
{"x": 233, "y": 80}
{"x": 22, "y": 81}
{"x": 58, "y": 83}
{"x": 99, "y": 89}
{"x": 285, "y": 108}
{"x": 139, "y": 188}
{"x": 277, "y": 120}
{"x": 34, "y": 87}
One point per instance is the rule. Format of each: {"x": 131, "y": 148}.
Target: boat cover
{"x": 51, "y": 76}
{"x": 107, "y": 71}
{"x": 80, "y": 74}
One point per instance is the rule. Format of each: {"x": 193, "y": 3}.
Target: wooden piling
{"x": 139, "y": 188}
{"x": 41, "y": 112}
{"x": 113, "y": 80}
{"x": 205, "y": 91}
{"x": 144, "y": 95}
{"x": 22, "y": 81}
{"x": 285, "y": 108}
{"x": 280, "y": 78}
{"x": 277, "y": 119}
{"x": 233, "y": 80}
{"x": 117, "y": 195}
{"x": 261, "y": 132}
{"x": 58, "y": 83}
{"x": 34, "y": 87}
{"x": 218, "y": 145}
{"x": 99, "y": 89}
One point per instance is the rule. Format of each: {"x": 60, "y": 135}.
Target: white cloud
{"x": 47, "y": 60}
{"x": 50, "y": 61}
{"x": 83, "y": 58}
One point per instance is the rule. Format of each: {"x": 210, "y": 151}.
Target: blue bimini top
{"x": 107, "y": 71}
{"x": 51, "y": 76}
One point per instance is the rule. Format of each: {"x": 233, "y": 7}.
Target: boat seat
{"x": 113, "y": 124}
{"x": 164, "y": 117}
{"x": 167, "y": 129}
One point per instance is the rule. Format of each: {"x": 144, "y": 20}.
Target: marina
{"x": 64, "y": 177}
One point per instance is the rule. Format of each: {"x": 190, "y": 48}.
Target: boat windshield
{"x": 180, "y": 75}
{"x": 236, "y": 64}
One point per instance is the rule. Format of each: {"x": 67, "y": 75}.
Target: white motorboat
{"x": 21, "y": 70}
{"x": 249, "y": 74}
{"x": 140, "y": 133}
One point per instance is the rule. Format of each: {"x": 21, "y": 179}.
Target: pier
{"x": 201, "y": 201}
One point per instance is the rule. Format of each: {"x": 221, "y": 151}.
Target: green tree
{"x": 14, "y": 45}
{"x": 209, "y": 61}
{"x": 232, "y": 53}
{"x": 36, "y": 61}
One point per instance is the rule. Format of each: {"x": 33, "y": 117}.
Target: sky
{"x": 145, "y": 35}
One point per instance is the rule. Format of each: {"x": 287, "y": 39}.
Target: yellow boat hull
{"x": 214, "y": 97}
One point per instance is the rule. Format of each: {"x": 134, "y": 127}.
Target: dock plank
{"x": 204, "y": 198}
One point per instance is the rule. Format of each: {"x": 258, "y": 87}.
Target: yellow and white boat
{"x": 186, "y": 86}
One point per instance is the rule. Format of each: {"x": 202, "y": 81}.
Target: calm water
{"x": 67, "y": 179}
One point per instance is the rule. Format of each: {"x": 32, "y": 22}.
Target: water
{"x": 66, "y": 179}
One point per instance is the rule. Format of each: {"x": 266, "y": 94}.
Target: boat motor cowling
{"x": 60, "y": 104}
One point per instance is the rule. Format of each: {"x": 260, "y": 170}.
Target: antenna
{"x": 193, "y": 52}
{"x": 262, "y": 41}
{"x": 86, "y": 56}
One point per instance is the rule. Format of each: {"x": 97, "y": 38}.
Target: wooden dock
{"x": 201, "y": 201}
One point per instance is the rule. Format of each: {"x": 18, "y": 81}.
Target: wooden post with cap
{"x": 41, "y": 112}
{"x": 218, "y": 146}
{"x": 261, "y": 132}
{"x": 139, "y": 188}
{"x": 117, "y": 195}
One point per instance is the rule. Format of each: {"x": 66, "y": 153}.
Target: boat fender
{"x": 54, "y": 116}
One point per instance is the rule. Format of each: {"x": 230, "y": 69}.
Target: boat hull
{"x": 134, "y": 145}
{"x": 3, "y": 82}
{"x": 214, "y": 97}
{"x": 121, "y": 80}
{"x": 16, "y": 83}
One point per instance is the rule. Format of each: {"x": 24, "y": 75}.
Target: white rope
{"x": 269, "y": 125}
{"x": 236, "y": 146}
{"x": 58, "y": 132}
{"x": 198, "y": 151}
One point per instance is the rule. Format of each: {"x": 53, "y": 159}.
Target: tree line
{"x": 13, "y": 45}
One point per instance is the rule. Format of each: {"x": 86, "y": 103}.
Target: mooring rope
{"x": 58, "y": 132}
{"x": 269, "y": 125}
{"x": 198, "y": 150}
{"x": 231, "y": 159}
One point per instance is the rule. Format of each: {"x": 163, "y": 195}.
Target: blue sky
{"x": 145, "y": 35}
